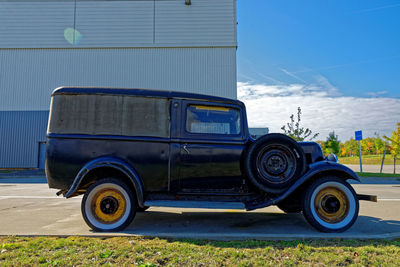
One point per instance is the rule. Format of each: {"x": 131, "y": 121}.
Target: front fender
{"x": 326, "y": 166}
{"x": 115, "y": 163}
{"x": 317, "y": 168}
{"x": 321, "y": 168}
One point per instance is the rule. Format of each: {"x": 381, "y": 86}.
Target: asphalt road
{"x": 34, "y": 209}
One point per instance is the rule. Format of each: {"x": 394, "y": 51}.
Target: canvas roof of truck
{"x": 141, "y": 92}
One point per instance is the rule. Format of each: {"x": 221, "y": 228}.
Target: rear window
{"x": 109, "y": 115}
{"x": 202, "y": 119}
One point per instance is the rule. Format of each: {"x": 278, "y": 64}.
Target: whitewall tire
{"x": 108, "y": 205}
{"x": 330, "y": 205}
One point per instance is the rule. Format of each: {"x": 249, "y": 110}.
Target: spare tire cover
{"x": 274, "y": 162}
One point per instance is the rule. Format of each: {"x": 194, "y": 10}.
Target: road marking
{"x": 25, "y": 197}
{"x": 31, "y": 197}
{"x": 233, "y": 211}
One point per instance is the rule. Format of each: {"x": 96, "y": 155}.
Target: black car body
{"x": 179, "y": 150}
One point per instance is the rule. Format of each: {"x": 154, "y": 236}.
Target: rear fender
{"x": 110, "y": 162}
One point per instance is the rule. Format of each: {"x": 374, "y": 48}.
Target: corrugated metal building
{"x": 156, "y": 44}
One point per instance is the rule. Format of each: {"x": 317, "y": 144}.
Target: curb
{"x": 228, "y": 237}
{"x": 22, "y": 177}
{"x": 377, "y": 180}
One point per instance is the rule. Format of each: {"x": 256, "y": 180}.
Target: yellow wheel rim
{"x": 331, "y": 205}
{"x": 108, "y": 206}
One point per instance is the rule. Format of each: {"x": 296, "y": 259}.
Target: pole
{"x": 383, "y": 160}
{"x": 359, "y": 151}
{"x": 394, "y": 170}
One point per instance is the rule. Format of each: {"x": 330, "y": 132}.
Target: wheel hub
{"x": 276, "y": 164}
{"x": 331, "y": 205}
{"x": 108, "y": 205}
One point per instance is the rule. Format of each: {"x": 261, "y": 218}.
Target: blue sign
{"x": 359, "y": 136}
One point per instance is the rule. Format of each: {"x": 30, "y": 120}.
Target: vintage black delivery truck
{"x": 129, "y": 149}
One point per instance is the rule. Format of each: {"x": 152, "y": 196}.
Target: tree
{"x": 379, "y": 144}
{"x": 367, "y": 146}
{"x": 332, "y": 144}
{"x": 295, "y": 131}
{"x": 352, "y": 146}
{"x": 394, "y": 144}
{"x": 322, "y": 144}
{"x": 343, "y": 150}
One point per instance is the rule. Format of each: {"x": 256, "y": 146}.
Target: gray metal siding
{"x": 28, "y": 76}
{"x": 204, "y": 22}
{"x": 115, "y": 23}
{"x": 35, "y": 23}
{"x": 101, "y": 23}
{"x": 20, "y": 134}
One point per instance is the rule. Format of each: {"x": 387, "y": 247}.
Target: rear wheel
{"x": 108, "y": 205}
{"x": 330, "y": 205}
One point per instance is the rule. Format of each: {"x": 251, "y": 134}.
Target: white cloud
{"x": 322, "y": 88}
{"x": 376, "y": 94}
{"x": 323, "y": 109}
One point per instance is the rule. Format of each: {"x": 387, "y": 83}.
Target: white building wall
{"x": 205, "y": 22}
{"x": 35, "y": 23}
{"x": 115, "y": 23}
{"x": 28, "y": 76}
{"x": 128, "y": 23}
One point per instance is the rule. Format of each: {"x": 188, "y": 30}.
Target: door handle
{"x": 184, "y": 148}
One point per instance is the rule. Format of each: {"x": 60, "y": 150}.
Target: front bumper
{"x": 371, "y": 198}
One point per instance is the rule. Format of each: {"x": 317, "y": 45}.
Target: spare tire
{"x": 274, "y": 162}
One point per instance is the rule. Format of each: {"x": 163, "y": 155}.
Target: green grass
{"x": 81, "y": 251}
{"x": 9, "y": 170}
{"x": 368, "y": 160}
{"x": 6, "y": 171}
{"x": 374, "y": 174}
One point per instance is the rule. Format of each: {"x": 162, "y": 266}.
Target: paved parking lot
{"x": 34, "y": 209}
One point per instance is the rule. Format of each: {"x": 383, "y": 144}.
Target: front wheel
{"x": 108, "y": 205}
{"x": 330, "y": 205}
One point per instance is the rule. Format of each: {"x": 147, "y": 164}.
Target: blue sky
{"x": 340, "y": 53}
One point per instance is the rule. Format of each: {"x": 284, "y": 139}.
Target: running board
{"x": 195, "y": 204}
{"x": 226, "y": 205}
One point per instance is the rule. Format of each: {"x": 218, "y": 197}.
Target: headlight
{"x": 332, "y": 157}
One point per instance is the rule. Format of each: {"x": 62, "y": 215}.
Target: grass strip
{"x": 377, "y": 174}
{"x": 82, "y": 251}
{"x": 6, "y": 171}
{"x": 368, "y": 160}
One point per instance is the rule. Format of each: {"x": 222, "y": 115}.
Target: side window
{"x": 110, "y": 115}
{"x": 201, "y": 119}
